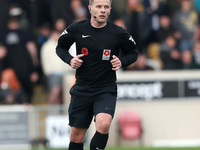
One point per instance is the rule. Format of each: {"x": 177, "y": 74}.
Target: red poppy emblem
{"x": 84, "y": 51}
{"x": 106, "y": 52}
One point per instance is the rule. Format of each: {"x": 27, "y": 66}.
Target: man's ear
{"x": 89, "y": 7}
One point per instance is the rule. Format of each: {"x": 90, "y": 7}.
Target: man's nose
{"x": 103, "y": 10}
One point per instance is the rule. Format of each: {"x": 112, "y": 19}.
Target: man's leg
{"x": 100, "y": 138}
{"x": 77, "y": 136}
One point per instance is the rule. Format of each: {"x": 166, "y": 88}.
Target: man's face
{"x": 186, "y": 5}
{"x": 100, "y": 10}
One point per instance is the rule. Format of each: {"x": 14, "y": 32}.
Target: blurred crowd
{"x": 167, "y": 33}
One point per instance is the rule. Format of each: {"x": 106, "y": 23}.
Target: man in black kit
{"x": 98, "y": 43}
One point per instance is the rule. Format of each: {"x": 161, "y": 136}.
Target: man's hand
{"x": 76, "y": 62}
{"x": 116, "y": 63}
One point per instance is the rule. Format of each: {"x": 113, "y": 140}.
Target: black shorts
{"x": 88, "y": 101}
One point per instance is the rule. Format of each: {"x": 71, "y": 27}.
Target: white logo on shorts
{"x": 98, "y": 148}
{"x": 108, "y": 108}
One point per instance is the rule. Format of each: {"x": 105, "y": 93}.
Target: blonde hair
{"x": 91, "y": 1}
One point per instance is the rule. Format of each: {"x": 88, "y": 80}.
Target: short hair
{"x": 91, "y": 1}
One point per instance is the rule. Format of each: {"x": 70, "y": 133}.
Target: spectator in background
{"x": 3, "y": 52}
{"x": 169, "y": 54}
{"x": 153, "y": 56}
{"x": 4, "y": 9}
{"x": 197, "y": 6}
{"x": 172, "y": 6}
{"x": 198, "y": 33}
{"x": 44, "y": 33}
{"x": 140, "y": 64}
{"x": 187, "y": 60}
{"x": 138, "y": 23}
{"x": 79, "y": 11}
{"x": 156, "y": 8}
{"x": 61, "y": 9}
{"x": 119, "y": 6}
{"x": 165, "y": 28}
{"x": 60, "y": 25}
{"x": 70, "y": 10}
{"x": 53, "y": 68}
{"x": 120, "y": 22}
{"x": 85, "y": 3}
{"x": 10, "y": 88}
{"x": 40, "y": 12}
{"x": 185, "y": 22}
{"x": 196, "y": 53}
{"x": 16, "y": 11}
{"x": 21, "y": 55}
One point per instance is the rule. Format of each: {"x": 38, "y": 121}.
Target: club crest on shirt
{"x": 106, "y": 54}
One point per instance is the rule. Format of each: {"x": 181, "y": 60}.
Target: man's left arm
{"x": 129, "y": 50}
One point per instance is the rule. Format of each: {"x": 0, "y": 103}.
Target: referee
{"x": 98, "y": 43}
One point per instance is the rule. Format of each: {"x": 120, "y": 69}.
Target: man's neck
{"x": 97, "y": 25}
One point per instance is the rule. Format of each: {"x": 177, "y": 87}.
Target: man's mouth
{"x": 102, "y": 16}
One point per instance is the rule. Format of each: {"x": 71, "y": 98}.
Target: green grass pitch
{"x": 135, "y": 148}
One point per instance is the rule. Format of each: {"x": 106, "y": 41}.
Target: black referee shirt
{"x": 98, "y": 45}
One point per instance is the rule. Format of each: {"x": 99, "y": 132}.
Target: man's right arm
{"x": 64, "y": 43}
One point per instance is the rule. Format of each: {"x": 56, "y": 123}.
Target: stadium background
{"x": 165, "y": 99}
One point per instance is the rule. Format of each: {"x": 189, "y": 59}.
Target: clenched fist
{"x": 116, "y": 63}
{"x": 76, "y": 62}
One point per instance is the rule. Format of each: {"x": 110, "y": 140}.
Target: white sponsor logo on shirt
{"x": 131, "y": 39}
{"x": 85, "y": 36}
{"x": 64, "y": 32}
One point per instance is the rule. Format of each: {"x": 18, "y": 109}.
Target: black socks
{"x": 75, "y": 146}
{"x": 98, "y": 141}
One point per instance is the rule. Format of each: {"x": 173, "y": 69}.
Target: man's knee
{"x": 77, "y": 135}
{"x": 103, "y": 127}
{"x": 103, "y": 122}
